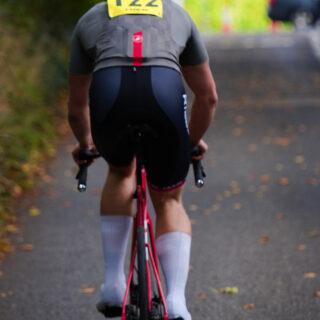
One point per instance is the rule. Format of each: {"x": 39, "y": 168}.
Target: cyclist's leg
{"x": 116, "y": 198}
{"x": 116, "y": 220}
{"x": 167, "y": 164}
{"x": 173, "y": 247}
{"x": 171, "y": 215}
{"x": 107, "y": 121}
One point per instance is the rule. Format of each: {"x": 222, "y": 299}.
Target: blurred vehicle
{"x": 302, "y": 13}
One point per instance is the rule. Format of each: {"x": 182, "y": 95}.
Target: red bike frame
{"x": 142, "y": 218}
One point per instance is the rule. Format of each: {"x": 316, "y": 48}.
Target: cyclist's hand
{"x": 76, "y": 151}
{"x": 203, "y": 148}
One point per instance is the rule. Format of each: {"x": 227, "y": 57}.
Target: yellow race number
{"x": 121, "y": 7}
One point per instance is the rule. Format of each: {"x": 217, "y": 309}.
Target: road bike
{"x": 144, "y": 297}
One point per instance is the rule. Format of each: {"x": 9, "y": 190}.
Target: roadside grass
{"x": 32, "y": 81}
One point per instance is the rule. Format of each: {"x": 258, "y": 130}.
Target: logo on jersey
{"x": 137, "y": 38}
{"x": 122, "y": 7}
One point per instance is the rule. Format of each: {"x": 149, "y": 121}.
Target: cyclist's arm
{"x": 200, "y": 80}
{"x": 78, "y": 109}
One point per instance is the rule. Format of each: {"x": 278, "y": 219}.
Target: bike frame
{"x": 142, "y": 223}
{"x": 143, "y": 219}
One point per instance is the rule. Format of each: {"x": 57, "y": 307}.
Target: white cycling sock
{"x": 174, "y": 254}
{"x": 115, "y": 235}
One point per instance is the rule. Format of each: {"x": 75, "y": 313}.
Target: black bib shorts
{"x": 146, "y": 95}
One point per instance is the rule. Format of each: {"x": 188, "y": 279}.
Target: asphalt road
{"x": 256, "y": 224}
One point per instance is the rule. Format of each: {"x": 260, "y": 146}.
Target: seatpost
{"x": 138, "y": 149}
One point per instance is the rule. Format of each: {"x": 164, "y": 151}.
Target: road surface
{"x": 256, "y": 224}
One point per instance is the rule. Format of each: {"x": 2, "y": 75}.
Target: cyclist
{"x": 126, "y": 61}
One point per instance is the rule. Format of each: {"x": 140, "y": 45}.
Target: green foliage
{"x": 246, "y": 15}
{"x": 55, "y": 17}
{"x": 33, "y": 76}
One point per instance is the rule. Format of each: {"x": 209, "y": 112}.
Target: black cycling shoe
{"x": 109, "y": 311}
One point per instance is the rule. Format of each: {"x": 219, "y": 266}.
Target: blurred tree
{"x": 53, "y": 16}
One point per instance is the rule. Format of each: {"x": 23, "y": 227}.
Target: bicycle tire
{"x": 142, "y": 275}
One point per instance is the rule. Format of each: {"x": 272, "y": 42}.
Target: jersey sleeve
{"x": 79, "y": 61}
{"x": 195, "y": 52}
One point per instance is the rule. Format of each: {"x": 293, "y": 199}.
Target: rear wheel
{"x": 142, "y": 275}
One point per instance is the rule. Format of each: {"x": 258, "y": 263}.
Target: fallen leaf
{"x": 315, "y": 234}
{"x": 252, "y": 147}
{"x": 303, "y": 128}
{"x": 234, "y": 184}
{"x": 193, "y": 207}
{"x": 317, "y": 294}
{"x": 206, "y": 212}
{"x": 264, "y": 240}
{"x": 280, "y": 216}
{"x": 302, "y": 247}
{"x": 265, "y": 178}
{"x": 202, "y": 297}
{"x": 216, "y": 207}
{"x": 240, "y": 119}
{"x": 193, "y": 221}
{"x": 284, "y": 181}
{"x": 237, "y": 132}
{"x": 263, "y": 188}
{"x": 236, "y": 190}
{"x": 279, "y": 167}
{"x": 219, "y": 197}
{"x": 248, "y": 306}
{"x": 90, "y": 212}
{"x": 87, "y": 290}
{"x": 67, "y": 204}
{"x": 213, "y": 290}
{"x": 26, "y": 167}
{"x": 299, "y": 159}
{"x": 96, "y": 192}
{"x": 53, "y": 194}
{"x": 27, "y": 247}
{"x": 303, "y": 166}
{"x": 1, "y": 273}
{"x": 281, "y": 141}
{"x": 33, "y": 211}
{"x": 6, "y": 247}
{"x": 46, "y": 178}
{"x": 237, "y": 206}
{"x": 267, "y": 140}
{"x": 229, "y": 290}
{"x": 310, "y": 275}
{"x": 227, "y": 193}
{"x": 312, "y": 181}
{"x": 12, "y": 228}
{"x": 68, "y": 173}
{"x": 17, "y": 191}
{"x": 3, "y": 295}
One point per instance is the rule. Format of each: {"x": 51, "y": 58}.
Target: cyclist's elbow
{"x": 213, "y": 99}
{"x": 210, "y": 100}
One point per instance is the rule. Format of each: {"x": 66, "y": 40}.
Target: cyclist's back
{"x": 100, "y": 41}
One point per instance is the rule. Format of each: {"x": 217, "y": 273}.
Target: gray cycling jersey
{"x": 99, "y": 41}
